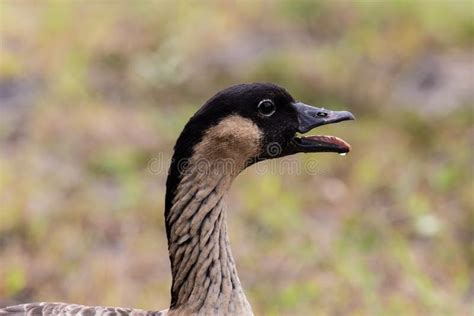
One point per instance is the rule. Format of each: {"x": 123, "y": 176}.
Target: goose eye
{"x": 266, "y": 107}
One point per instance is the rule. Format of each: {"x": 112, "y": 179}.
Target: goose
{"x": 239, "y": 126}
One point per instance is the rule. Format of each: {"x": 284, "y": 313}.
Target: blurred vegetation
{"x": 90, "y": 91}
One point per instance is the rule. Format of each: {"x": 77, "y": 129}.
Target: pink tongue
{"x": 329, "y": 140}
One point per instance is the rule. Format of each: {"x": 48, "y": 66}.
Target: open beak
{"x": 310, "y": 117}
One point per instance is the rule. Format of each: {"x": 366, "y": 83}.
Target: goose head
{"x": 248, "y": 123}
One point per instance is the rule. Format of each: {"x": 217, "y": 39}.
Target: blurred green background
{"x": 92, "y": 91}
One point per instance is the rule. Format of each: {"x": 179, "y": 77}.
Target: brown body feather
{"x": 44, "y": 309}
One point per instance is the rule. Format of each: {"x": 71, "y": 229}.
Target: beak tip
{"x": 343, "y": 116}
{"x": 348, "y": 115}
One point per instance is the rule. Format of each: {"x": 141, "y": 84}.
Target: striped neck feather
{"x": 204, "y": 274}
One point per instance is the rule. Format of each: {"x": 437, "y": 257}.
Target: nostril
{"x": 321, "y": 114}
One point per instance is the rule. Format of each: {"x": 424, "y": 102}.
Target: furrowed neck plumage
{"x": 204, "y": 274}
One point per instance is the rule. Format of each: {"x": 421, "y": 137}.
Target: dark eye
{"x": 322, "y": 114}
{"x": 266, "y": 107}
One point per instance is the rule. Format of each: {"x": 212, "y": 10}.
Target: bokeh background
{"x": 92, "y": 91}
